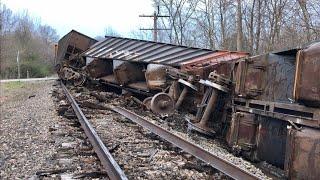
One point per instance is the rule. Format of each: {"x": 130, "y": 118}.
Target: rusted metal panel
{"x": 222, "y": 68}
{"x": 156, "y": 76}
{"x": 303, "y": 154}
{"x": 271, "y": 140}
{"x": 73, "y": 43}
{"x": 242, "y": 131}
{"x": 295, "y": 113}
{"x": 255, "y": 77}
{"x": 307, "y": 80}
{"x": 127, "y": 72}
{"x": 266, "y": 77}
{"x": 258, "y": 138}
{"x": 222, "y": 62}
{"x": 239, "y": 71}
{"x": 99, "y": 67}
{"x": 215, "y": 58}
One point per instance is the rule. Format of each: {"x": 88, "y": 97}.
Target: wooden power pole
{"x": 155, "y": 28}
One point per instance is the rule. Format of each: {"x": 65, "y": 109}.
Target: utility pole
{"x": 155, "y": 28}
{"x": 18, "y": 62}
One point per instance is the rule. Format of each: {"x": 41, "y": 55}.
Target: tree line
{"x": 19, "y": 32}
{"x": 255, "y": 26}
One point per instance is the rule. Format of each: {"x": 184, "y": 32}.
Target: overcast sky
{"x": 89, "y": 17}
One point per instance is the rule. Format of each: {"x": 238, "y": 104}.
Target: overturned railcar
{"x": 275, "y": 110}
{"x": 149, "y": 68}
{"x": 144, "y": 59}
{"x": 71, "y": 45}
{"x": 266, "y": 107}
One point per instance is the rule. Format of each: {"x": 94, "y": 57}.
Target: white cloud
{"x": 89, "y": 17}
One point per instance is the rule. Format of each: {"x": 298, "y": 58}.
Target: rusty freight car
{"x": 266, "y": 106}
{"x": 144, "y": 66}
{"x": 73, "y": 43}
{"x": 70, "y": 47}
{"x": 275, "y": 118}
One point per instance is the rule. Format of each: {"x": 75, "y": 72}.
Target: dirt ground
{"x": 27, "y": 113}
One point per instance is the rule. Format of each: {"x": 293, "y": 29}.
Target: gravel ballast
{"x": 37, "y": 143}
{"x": 83, "y": 97}
{"x": 27, "y": 112}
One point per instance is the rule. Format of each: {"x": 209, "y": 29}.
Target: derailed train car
{"x": 70, "y": 47}
{"x": 267, "y": 107}
{"x": 149, "y": 68}
{"x": 276, "y": 112}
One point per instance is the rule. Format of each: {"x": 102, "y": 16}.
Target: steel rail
{"x": 195, "y": 150}
{"x": 113, "y": 169}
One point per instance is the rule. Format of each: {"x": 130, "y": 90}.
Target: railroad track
{"x": 112, "y": 167}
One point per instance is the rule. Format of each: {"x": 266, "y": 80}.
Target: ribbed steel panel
{"x": 118, "y": 48}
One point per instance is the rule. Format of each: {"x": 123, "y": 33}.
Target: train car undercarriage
{"x": 266, "y": 107}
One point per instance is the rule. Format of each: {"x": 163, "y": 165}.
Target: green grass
{"x": 12, "y": 85}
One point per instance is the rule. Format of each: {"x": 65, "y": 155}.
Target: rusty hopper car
{"x": 266, "y": 106}
{"x": 71, "y": 44}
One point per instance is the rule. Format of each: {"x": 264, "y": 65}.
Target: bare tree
{"x": 251, "y": 26}
{"x": 239, "y": 27}
{"x": 20, "y": 32}
{"x": 206, "y": 20}
{"x": 306, "y": 17}
{"x": 256, "y": 26}
{"x": 180, "y": 12}
{"x": 222, "y": 9}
